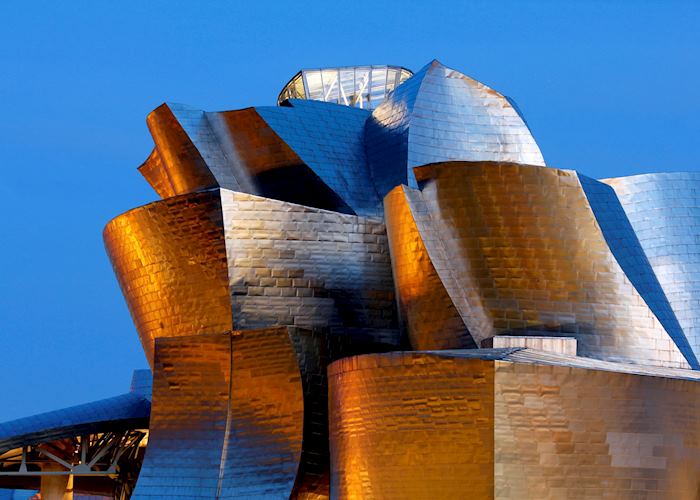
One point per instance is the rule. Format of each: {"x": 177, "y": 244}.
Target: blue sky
{"x": 608, "y": 88}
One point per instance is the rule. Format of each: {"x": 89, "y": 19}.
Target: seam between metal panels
{"x": 227, "y": 430}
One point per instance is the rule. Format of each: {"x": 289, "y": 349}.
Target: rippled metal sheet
{"x": 170, "y": 260}
{"x": 227, "y": 417}
{"x": 664, "y": 210}
{"x": 499, "y": 424}
{"x": 439, "y": 115}
{"x": 426, "y": 311}
{"x": 519, "y": 250}
{"x": 295, "y": 265}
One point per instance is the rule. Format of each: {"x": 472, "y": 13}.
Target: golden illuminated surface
{"x": 181, "y": 164}
{"x": 565, "y": 432}
{"x": 511, "y": 424}
{"x": 250, "y": 141}
{"x": 411, "y": 425}
{"x": 426, "y": 310}
{"x": 296, "y": 265}
{"x": 154, "y": 171}
{"x": 170, "y": 260}
{"x": 226, "y": 419}
{"x": 519, "y": 251}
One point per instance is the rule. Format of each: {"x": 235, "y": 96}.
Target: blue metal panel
{"x": 329, "y": 138}
{"x": 664, "y": 210}
{"x": 625, "y": 246}
{"x": 119, "y": 412}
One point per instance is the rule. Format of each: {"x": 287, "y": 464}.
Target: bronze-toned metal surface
{"x": 170, "y": 260}
{"x": 520, "y": 252}
{"x": 156, "y": 174}
{"x": 295, "y": 265}
{"x": 511, "y": 424}
{"x": 227, "y": 417}
{"x": 425, "y": 309}
{"x": 183, "y": 164}
{"x": 411, "y": 425}
{"x": 564, "y": 432}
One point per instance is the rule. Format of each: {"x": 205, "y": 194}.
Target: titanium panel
{"x": 296, "y": 265}
{"x": 664, "y": 210}
{"x": 156, "y": 175}
{"x": 191, "y": 390}
{"x": 330, "y": 140}
{"x": 520, "y": 252}
{"x": 564, "y": 432}
{"x": 625, "y": 245}
{"x": 511, "y": 423}
{"x": 426, "y": 311}
{"x": 441, "y": 115}
{"x": 227, "y": 417}
{"x": 170, "y": 260}
{"x": 411, "y": 425}
{"x": 184, "y": 166}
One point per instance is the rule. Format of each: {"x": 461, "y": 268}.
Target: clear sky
{"x": 608, "y": 88}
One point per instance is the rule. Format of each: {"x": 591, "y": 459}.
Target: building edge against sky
{"x": 391, "y": 242}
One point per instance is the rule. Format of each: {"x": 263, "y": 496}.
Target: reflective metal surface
{"x": 426, "y": 310}
{"x": 227, "y": 417}
{"x": 296, "y": 265}
{"x": 271, "y": 266}
{"x": 511, "y": 424}
{"x": 519, "y": 251}
{"x": 170, "y": 260}
{"x": 362, "y": 87}
{"x": 664, "y": 210}
{"x": 625, "y": 245}
{"x": 93, "y": 448}
{"x": 438, "y": 115}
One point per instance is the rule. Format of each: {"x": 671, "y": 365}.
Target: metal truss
{"x": 114, "y": 455}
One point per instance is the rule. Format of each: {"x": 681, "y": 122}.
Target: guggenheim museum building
{"x": 378, "y": 289}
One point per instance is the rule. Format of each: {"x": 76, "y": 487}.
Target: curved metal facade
{"x": 510, "y": 424}
{"x": 428, "y": 314}
{"x": 664, "y": 210}
{"x": 227, "y": 417}
{"x": 293, "y": 240}
{"x": 170, "y": 260}
{"x": 519, "y": 251}
{"x": 440, "y": 115}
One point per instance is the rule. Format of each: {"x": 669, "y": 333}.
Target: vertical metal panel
{"x": 411, "y": 425}
{"x": 664, "y": 210}
{"x": 227, "y": 417}
{"x": 295, "y": 265}
{"x": 425, "y": 309}
{"x": 626, "y": 248}
{"x": 565, "y": 432}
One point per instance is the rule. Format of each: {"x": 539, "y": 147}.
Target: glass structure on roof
{"x": 357, "y": 86}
